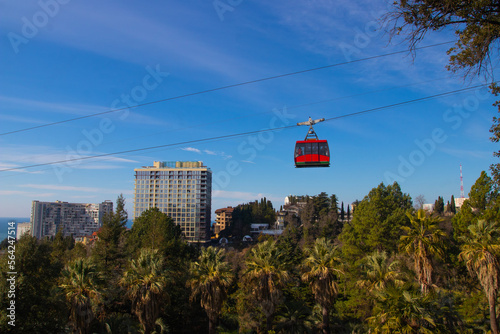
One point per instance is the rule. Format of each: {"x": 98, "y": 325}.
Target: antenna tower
{"x": 461, "y": 184}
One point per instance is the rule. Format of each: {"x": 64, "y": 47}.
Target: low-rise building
{"x": 459, "y": 202}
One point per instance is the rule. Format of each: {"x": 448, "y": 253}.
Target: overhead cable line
{"x": 266, "y": 112}
{"x": 221, "y": 88}
{"x": 245, "y": 133}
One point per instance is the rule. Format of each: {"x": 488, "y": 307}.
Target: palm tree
{"x": 146, "y": 285}
{"x": 266, "y": 275}
{"x": 293, "y": 318}
{"x": 322, "y": 267}
{"x": 379, "y": 273}
{"x": 480, "y": 251}
{"x": 422, "y": 241}
{"x": 210, "y": 279}
{"x": 80, "y": 283}
{"x": 401, "y": 311}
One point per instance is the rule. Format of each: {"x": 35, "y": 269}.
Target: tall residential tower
{"x": 182, "y": 190}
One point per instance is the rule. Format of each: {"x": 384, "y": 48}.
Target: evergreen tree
{"x": 334, "y": 203}
{"x": 462, "y": 220}
{"x": 483, "y": 203}
{"x": 59, "y": 246}
{"x": 439, "y": 205}
{"x": 257, "y": 212}
{"x": 155, "y": 230}
{"x": 453, "y": 208}
{"x": 481, "y": 193}
{"x": 377, "y": 222}
{"x": 447, "y": 208}
{"x": 38, "y": 306}
{"x": 108, "y": 248}
{"x": 342, "y": 213}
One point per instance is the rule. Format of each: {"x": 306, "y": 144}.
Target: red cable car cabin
{"x": 312, "y": 153}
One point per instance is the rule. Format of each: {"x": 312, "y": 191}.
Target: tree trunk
{"x": 147, "y": 329}
{"x": 269, "y": 324}
{"x": 325, "y": 326}
{"x": 212, "y": 326}
{"x": 493, "y": 315}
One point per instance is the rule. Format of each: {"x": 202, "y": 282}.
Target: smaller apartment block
{"x": 76, "y": 219}
{"x": 223, "y": 219}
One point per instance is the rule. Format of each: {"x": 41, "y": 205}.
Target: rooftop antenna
{"x": 461, "y": 184}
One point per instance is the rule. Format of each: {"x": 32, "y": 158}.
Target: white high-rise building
{"x": 180, "y": 189}
{"x": 76, "y": 219}
{"x": 23, "y": 228}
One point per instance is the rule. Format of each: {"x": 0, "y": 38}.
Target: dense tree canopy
{"x": 38, "y": 309}
{"x": 377, "y": 222}
{"x": 155, "y": 230}
{"x": 368, "y": 278}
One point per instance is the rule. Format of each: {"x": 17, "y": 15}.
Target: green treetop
{"x": 377, "y": 222}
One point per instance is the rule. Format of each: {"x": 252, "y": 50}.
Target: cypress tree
{"x": 342, "y": 213}
{"x": 452, "y": 204}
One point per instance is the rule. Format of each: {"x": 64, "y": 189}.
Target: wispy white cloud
{"x": 13, "y": 104}
{"x": 218, "y": 153}
{"x": 58, "y": 187}
{"x": 83, "y": 197}
{"x": 45, "y": 106}
{"x": 25, "y": 193}
{"x": 95, "y": 190}
{"x": 191, "y": 149}
{"x": 208, "y": 152}
{"x": 21, "y": 155}
{"x": 119, "y": 27}
{"x": 21, "y": 119}
{"x": 460, "y": 153}
{"x": 10, "y": 165}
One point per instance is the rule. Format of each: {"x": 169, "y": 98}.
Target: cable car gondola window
{"x": 299, "y": 150}
{"x": 323, "y": 150}
{"x": 308, "y": 148}
{"x": 314, "y": 148}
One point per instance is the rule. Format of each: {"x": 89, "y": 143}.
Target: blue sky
{"x": 63, "y": 59}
